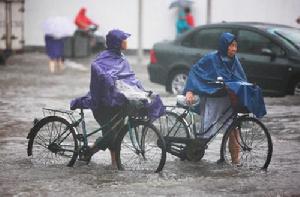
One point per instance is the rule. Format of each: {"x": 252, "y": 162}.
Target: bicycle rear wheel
{"x": 141, "y": 148}
{"x": 173, "y": 125}
{"x": 52, "y": 141}
{"x": 247, "y": 143}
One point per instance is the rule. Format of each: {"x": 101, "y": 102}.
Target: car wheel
{"x": 177, "y": 81}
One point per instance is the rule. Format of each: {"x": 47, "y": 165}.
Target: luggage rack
{"x": 59, "y": 112}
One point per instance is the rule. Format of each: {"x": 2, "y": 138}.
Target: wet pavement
{"x": 26, "y": 87}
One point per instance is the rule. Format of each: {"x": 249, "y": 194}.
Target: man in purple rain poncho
{"x": 223, "y": 63}
{"x": 104, "y": 99}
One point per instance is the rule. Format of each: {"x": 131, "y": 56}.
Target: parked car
{"x": 269, "y": 54}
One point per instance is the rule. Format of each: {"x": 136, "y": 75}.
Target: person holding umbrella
{"x": 185, "y": 20}
{"x": 55, "y": 30}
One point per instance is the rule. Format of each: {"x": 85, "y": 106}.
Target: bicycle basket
{"x": 136, "y": 108}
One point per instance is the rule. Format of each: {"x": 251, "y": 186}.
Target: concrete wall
{"x": 158, "y": 19}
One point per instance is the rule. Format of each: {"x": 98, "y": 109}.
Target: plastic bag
{"x": 132, "y": 93}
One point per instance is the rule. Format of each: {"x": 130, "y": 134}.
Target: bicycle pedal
{"x": 85, "y": 154}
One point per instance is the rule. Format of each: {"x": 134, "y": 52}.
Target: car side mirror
{"x": 268, "y": 52}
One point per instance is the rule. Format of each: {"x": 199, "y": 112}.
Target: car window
{"x": 252, "y": 42}
{"x": 290, "y": 36}
{"x": 205, "y": 38}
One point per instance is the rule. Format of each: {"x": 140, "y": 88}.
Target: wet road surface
{"x": 26, "y": 86}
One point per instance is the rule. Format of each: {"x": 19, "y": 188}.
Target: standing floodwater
{"x": 26, "y": 87}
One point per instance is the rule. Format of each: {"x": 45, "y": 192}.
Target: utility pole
{"x": 208, "y": 12}
{"x": 140, "y": 33}
{"x": 8, "y": 25}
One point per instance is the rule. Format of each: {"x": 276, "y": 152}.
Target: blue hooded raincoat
{"x": 218, "y": 64}
{"x": 109, "y": 66}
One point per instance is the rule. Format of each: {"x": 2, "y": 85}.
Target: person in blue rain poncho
{"x": 223, "y": 63}
{"x": 105, "y": 100}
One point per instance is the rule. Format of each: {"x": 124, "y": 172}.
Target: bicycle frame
{"x": 81, "y": 120}
{"x": 192, "y": 124}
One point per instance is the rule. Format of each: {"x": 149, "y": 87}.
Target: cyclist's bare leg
{"x": 234, "y": 147}
{"x": 94, "y": 149}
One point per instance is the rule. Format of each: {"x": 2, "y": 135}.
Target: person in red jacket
{"x": 83, "y": 22}
{"x": 189, "y": 17}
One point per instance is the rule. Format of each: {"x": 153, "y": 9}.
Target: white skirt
{"x": 211, "y": 110}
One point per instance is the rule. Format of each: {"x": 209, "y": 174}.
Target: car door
{"x": 264, "y": 61}
{"x": 202, "y": 42}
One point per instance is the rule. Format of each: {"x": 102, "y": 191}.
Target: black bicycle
{"x": 59, "y": 138}
{"x": 244, "y": 134}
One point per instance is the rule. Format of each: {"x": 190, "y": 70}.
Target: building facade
{"x": 158, "y": 21}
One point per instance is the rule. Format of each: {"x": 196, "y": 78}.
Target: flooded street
{"x": 26, "y": 87}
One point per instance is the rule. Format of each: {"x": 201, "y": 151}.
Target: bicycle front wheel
{"x": 141, "y": 148}
{"x": 52, "y": 141}
{"x": 247, "y": 143}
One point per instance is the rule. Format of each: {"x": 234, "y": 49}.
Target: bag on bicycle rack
{"x": 137, "y": 108}
{"x": 137, "y": 99}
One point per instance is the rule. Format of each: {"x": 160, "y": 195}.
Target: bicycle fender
{"x": 35, "y": 122}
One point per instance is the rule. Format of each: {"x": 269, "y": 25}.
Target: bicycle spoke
{"x": 255, "y": 144}
{"x": 142, "y": 153}
{"x": 54, "y": 143}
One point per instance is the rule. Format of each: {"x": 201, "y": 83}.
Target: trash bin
{"x": 4, "y": 54}
{"x": 68, "y": 47}
{"x": 99, "y": 44}
{"x": 81, "y": 44}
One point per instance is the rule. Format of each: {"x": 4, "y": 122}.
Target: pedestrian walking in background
{"x": 55, "y": 30}
{"x": 189, "y": 17}
{"x": 181, "y": 23}
{"x": 55, "y": 52}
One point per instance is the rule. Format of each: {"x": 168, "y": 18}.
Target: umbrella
{"x": 181, "y": 3}
{"x": 58, "y": 27}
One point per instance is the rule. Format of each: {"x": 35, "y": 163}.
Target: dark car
{"x": 269, "y": 54}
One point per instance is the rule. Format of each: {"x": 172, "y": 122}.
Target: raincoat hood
{"x": 82, "y": 21}
{"x": 114, "y": 39}
{"x": 82, "y": 12}
{"x": 225, "y": 40}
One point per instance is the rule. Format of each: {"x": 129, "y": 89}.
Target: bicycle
{"x": 58, "y": 139}
{"x": 183, "y": 136}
